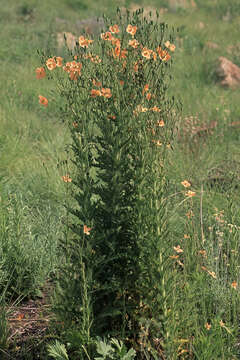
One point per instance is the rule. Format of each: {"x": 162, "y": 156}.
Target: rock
{"x": 228, "y": 72}
{"x": 181, "y": 4}
{"x": 91, "y": 26}
{"x": 70, "y": 39}
{"x": 211, "y": 45}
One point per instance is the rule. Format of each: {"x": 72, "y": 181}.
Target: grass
{"x": 33, "y": 159}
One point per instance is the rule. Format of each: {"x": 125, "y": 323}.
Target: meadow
{"x": 160, "y": 279}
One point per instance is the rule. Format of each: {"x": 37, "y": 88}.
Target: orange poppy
{"x": 40, "y": 73}
{"x": 95, "y": 93}
{"x": 59, "y": 61}
{"x": 42, "y": 100}
{"x": 146, "y": 53}
{"x": 106, "y": 92}
{"x": 66, "y": 178}
{"x": 148, "y": 96}
{"x": 86, "y": 230}
{"x": 160, "y": 123}
{"x": 190, "y": 193}
{"x": 114, "y": 29}
{"x": 131, "y": 29}
{"x": 186, "y": 183}
{"x": 106, "y": 36}
{"x": 84, "y": 42}
{"x": 134, "y": 43}
{"x": 234, "y": 285}
{"x": 51, "y": 63}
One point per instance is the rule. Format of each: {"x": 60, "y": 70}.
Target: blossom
{"x": 131, "y": 29}
{"x": 146, "y": 53}
{"x": 75, "y": 124}
{"x": 178, "y": 249}
{"x": 234, "y": 285}
{"x": 51, "y": 63}
{"x": 121, "y": 82}
{"x": 73, "y": 68}
{"x": 86, "y": 230}
{"x": 156, "y": 109}
{"x": 186, "y": 183}
{"x": 40, "y": 73}
{"x": 114, "y": 29}
{"x": 42, "y": 100}
{"x": 106, "y": 92}
{"x": 116, "y": 42}
{"x": 160, "y": 123}
{"x": 146, "y": 88}
{"x": 170, "y": 46}
{"x": 97, "y": 83}
{"x": 66, "y": 178}
{"x": 163, "y": 54}
{"x": 157, "y": 142}
{"x": 208, "y": 326}
{"x": 148, "y": 96}
{"x": 106, "y": 36}
{"x": 134, "y": 43}
{"x": 59, "y": 60}
{"x": 84, "y": 42}
{"x": 95, "y": 93}
{"x": 190, "y": 193}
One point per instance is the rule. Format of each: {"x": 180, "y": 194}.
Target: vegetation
{"x": 119, "y": 177}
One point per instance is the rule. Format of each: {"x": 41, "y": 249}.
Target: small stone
{"x": 228, "y": 72}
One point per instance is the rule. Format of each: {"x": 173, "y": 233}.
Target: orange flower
{"x": 154, "y": 55}
{"x": 208, "y": 326}
{"x": 135, "y": 67}
{"x": 146, "y": 88}
{"x": 203, "y": 253}
{"x": 59, "y": 61}
{"x": 163, "y": 54}
{"x": 234, "y": 285}
{"x": 96, "y": 83}
{"x": 42, "y": 100}
{"x": 114, "y": 29}
{"x": 74, "y": 69}
{"x": 113, "y": 117}
{"x": 116, "y": 51}
{"x": 106, "y": 92}
{"x": 185, "y": 183}
{"x": 95, "y": 93}
{"x": 86, "y": 230}
{"x": 211, "y": 273}
{"x": 221, "y": 323}
{"x": 160, "y": 123}
{"x": 148, "y": 96}
{"x": 75, "y": 124}
{"x": 134, "y": 43}
{"x": 174, "y": 257}
{"x": 116, "y": 42}
{"x": 156, "y": 109}
{"x": 121, "y": 82}
{"x": 157, "y": 142}
{"x": 146, "y": 53}
{"x": 189, "y": 214}
{"x": 190, "y": 193}
{"x": 84, "y": 42}
{"x": 178, "y": 249}
{"x": 51, "y": 63}
{"x": 123, "y": 54}
{"x": 106, "y": 36}
{"x": 170, "y": 46}
{"x": 131, "y": 29}
{"x": 40, "y": 73}
{"x": 66, "y": 178}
